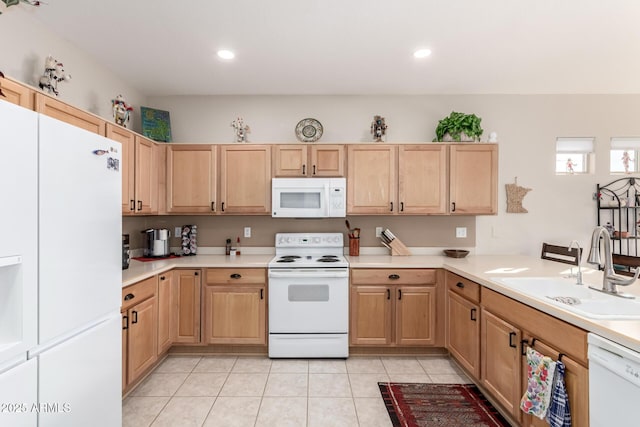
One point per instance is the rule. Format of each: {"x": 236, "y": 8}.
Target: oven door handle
{"x": 309, "y": 274}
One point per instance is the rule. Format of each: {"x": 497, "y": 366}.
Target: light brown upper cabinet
{"x": 17, "y": 93}
{"x": 422, "y": 179}
{"x": 64, "y": 112}
{"x": 371, "y": 179}
{"x": 138, "y": 165}
{"x": 473, "y": 179}
{"x": 415, "y": 183}
{"x": 191, "y": 178}
{"x": 245, "y": 179}
{"x": 308, "y": 160}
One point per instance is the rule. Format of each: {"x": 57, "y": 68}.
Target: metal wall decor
{"x": 308, "y": 130}
{"x": 241, "y": 129}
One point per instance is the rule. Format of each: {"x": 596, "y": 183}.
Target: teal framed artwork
{"x": 156, "y": 124}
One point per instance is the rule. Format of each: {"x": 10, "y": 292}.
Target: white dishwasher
{"x": 614, "y": 384}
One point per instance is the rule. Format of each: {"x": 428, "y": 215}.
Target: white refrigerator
{"x": 78, "y": 351}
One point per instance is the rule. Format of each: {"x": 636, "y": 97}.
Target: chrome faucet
{"x": 579, "y": 275}
{"x": 609, "y": 278}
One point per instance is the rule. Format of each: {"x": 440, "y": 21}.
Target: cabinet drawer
{"x": 136, "y": 293}
{"x": 462, "y": 286}
{"x": 393, "y": 276}
{"x": 234, "y": 276}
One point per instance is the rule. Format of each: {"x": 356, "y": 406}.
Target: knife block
{"x": 398, "y": 248}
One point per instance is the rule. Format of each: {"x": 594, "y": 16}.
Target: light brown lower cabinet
{"x": 185, "y": 297}
{"x": 140, "y": 328}
{"x": 576, "y": 381}
{"x": 384, "y": 313}
{"x": 463, "y": 332}
{"x": 235, "y": 306}
{"x": 165, "y": 312}
{"x": 501, "y": 362}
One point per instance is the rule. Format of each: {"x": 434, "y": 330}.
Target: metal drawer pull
{"x": 460, "y": 285}
{"x": 388, "y": 293}
{"x": 473, "y": 314}
{"x": 394, "y": 276}
{"x": 132, "y": 205}
{"x": 161, "y": 277}
{"x": 314, "y": 169}
{"x": 453, "y": 206}
{"x": 304, "y": 169}
{"x": 213, "y": 206}
{"x": 401, "y": 206}
{"x": 139, "y": 205}
{"x": 399, "y": 294}
{"x": 125, "y": 319}
{"x": 235, "y": 276}
{"x": 222, "y": 206}
{"x": 511, "y": 337}
{"x": 129, "y": 296}
{"x": 135, "y": 317}
{"x": 261, "y": 293}
{"x": 391, "y": 210}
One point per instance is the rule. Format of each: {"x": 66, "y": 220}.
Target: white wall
{"x": 26, "y": 43}
{"x": 560, "y": 207}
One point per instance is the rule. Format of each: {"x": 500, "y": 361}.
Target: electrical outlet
{"x": 461, "y": 232}
{"x": 178, "y": 232}
{"x": 378, "y": 231}
{"x": 247, "y": 232}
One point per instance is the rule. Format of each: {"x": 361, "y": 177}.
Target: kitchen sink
{"x": 579, "y": 299}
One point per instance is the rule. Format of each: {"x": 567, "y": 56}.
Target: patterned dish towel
{"x": 559, "y": 411}
{"x": 540, "y": 371}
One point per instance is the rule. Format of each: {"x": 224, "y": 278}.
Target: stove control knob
{"x": 316, "y": 240}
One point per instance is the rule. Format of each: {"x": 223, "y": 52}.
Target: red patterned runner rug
{"x": 435, "y": 405}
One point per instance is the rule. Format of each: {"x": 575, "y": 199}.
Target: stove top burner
{"x": 329, "y": 256}
{"x": 286, "y": 260}
{"x": 289, "y": 256}
{"x": 323, "y": 259}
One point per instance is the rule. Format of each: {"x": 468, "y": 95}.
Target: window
{"x": 573, "y": 155}
{"x": 624, "y": 155}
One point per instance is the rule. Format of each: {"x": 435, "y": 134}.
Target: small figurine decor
{"x": 241, "y": 129}
{"x": 53, "y": 73}
{"x": 16, "y": 2}
{"x": 121, "y": 110}
{"x": 378, "y": 128}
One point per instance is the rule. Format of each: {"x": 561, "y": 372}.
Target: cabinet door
{"x": 463, "y": 332}
{"x": 327, "y": 160}
{"x": 165, "y": 312}
{"x": 371, "y": 179}
{"x": 191, "y": 179}
{"x": 125, "y": 350}
{"x": 146, "y": 180}
{"x": 127, "y": 165}
{"x": 17, "y": 93}
{"x": 245, "y": 179}
{"x": 186, "y": 313}
{"x": 235, "y": 314}
{"x": 415, "y": 315}
{"x": 290, "y": 161}
{"x": 64, "y": 112}
{"x": 501, "y": 360}
{"x": 143, "y": 338}
{"x": 422, "y": 179}
{"x": 371, "y": 315}
{"x": 577, "y": 383}
{"x": 473, "y": 179}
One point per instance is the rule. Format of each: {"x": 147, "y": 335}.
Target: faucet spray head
{"x": 594, "y": 252}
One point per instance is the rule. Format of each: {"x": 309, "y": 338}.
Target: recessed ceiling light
{"x": 226, "y": 54}
{"x": 422, "y": 53}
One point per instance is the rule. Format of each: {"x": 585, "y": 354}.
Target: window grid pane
{"x": 571, "y": 163}
{"x": 621, "y": 163}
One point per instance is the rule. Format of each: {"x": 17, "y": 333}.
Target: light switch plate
{"x": 378, "y": 231}
{"x": 461, "y": 232}
{"x": 177, "y": 232}
{"x": 247, "y": 232}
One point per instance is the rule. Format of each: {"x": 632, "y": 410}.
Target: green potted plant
{"x": 459, "y": 127}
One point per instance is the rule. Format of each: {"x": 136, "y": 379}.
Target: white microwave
{"x": 308, "y": 197}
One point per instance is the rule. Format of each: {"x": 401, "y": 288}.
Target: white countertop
{"x": 477, "y": 268}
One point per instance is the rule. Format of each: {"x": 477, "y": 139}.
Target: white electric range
{"x": 309, "y": 297}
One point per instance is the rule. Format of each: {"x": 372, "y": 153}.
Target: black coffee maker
{"x": 125, "y": 251}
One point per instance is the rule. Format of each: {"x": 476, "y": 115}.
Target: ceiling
{"x": 330, "y": 47}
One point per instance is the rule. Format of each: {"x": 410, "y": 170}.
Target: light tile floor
{"x": 257, "y": 391}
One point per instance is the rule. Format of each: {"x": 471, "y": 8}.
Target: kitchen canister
{"x": 354, "y": 246}
{"x": 189, "y": 239}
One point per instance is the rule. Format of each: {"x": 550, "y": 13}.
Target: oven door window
{"x": 308, "y": 293}
{"x": 300, "y": 200}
